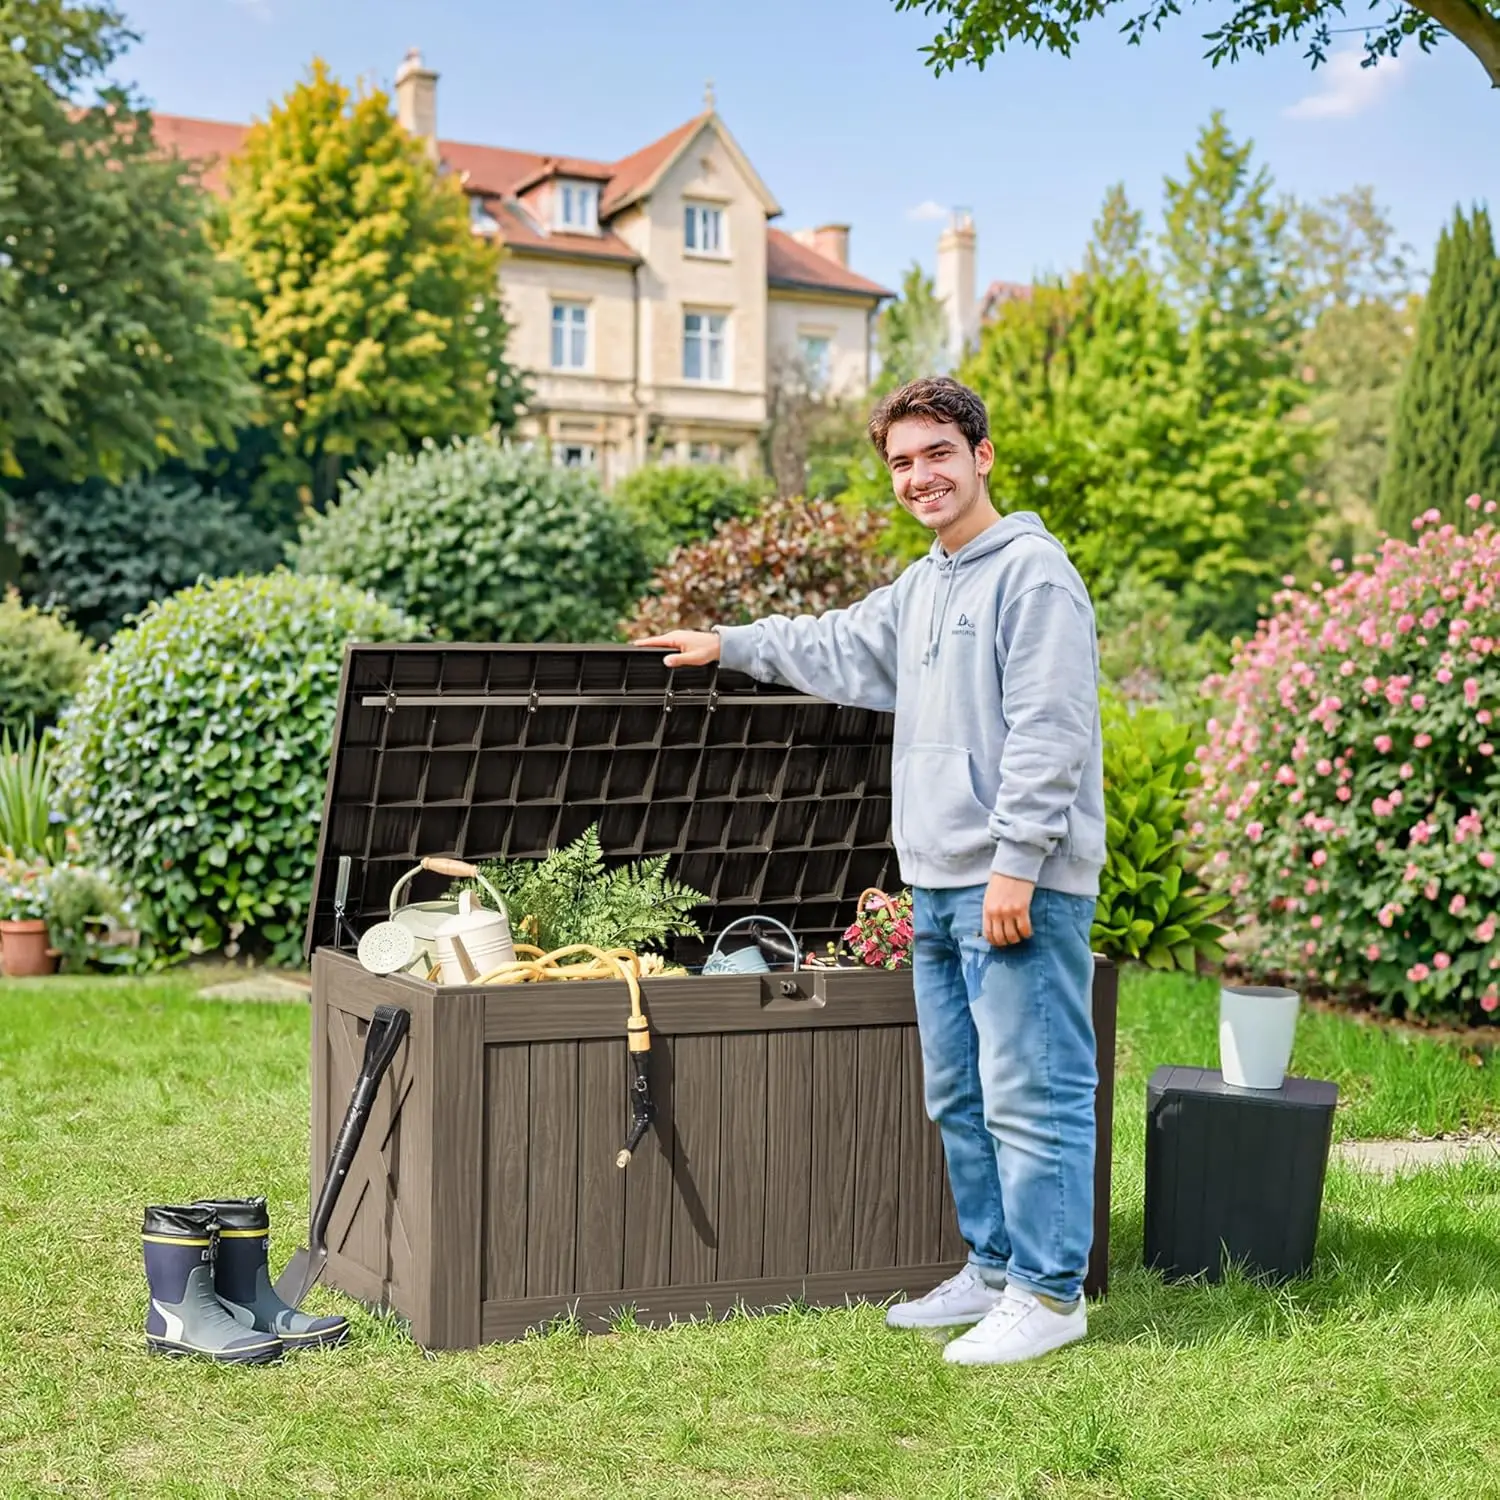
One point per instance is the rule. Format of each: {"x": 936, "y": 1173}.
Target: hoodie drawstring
{"x": 935, "y": 623}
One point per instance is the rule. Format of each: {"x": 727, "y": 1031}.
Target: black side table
{"x": 1233, "y": 1174}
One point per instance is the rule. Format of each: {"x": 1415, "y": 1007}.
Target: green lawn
{"x": 1377, "y": 1376}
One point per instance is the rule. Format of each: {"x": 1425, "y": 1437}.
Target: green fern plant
{"x": 572, "y": 897}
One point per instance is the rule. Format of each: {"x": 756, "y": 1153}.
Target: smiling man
{"x": 986, "y": 652}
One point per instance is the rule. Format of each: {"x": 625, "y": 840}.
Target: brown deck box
{"x": 790, "y": 1158}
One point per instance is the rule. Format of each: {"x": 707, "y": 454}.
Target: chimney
{"x": 416, "y": 99}
{"x": 832, "y": 241}
{"x": 955, "y": 283}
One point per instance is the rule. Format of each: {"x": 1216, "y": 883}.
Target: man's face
{"x": 936, "y": 476}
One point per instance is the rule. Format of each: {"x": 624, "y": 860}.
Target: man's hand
{"x": 1007, "y": 910}
{"x": 691, "y": 648}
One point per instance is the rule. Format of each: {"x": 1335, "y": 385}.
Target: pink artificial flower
{"x": 1286, "y": 776}
{"x": 1385, "y": 916}
{"x": 1457, "y": 904}
{"x": 1253, "y": 832}
{"x": 1406, "y": 623}
{"x": 1473, "y": 502}
{"x": 1471, "y": 691}
{"x": 1440, "y": 960}
{"x": 1371, "y": 685}
{"x": 1346, "y": 668}
{"x": 1444, "y": 676}
{"x": 1489, "y": 507}
{"x": 1383, "y": 743}
{"x": 1407, "y": 770}
{"x": 1422, "y": 741}
{"x": 1430, "y": 890}
{"x": 1320, "y": 858}
{"x": 1324, "y": 766}
{"x": 1411, "y": 872}
{"x": 1419, "y": 700}
{"x": 1417, "y": 973}
{"x": 1343, "y": 794}
{"x": 1381, "y": 807}
{"x": 1373, "y": 952}
{"x": 1487, "y": 858}
{"x": 1486, "y": 930}
{"x": 1397, "y": 797}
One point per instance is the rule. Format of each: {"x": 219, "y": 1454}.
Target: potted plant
{"x": 25, "y": 902}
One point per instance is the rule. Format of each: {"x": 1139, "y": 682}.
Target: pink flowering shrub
{"x": 1353, "y": 795}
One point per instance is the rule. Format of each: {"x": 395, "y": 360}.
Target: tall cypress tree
{"x": 1446, "y": 442}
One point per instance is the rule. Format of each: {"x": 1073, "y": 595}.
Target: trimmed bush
{"x": 1353, "y": 792}
{"x": 1152, "y": 904}
{"x": 486, "y": 542}
{"x": 103, "y": 553}
{"x": 43, "y": 662}
{"x": 195, "y": 757}
{"x": 794, "y": 556}
{"x": 675, "y": 504}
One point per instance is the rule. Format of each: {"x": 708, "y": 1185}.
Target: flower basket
{"x": 880, "y": 935}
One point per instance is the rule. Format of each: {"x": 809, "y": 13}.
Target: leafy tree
{"x": 370, "y": 310}
{"x": 1118, "y": 242}
{"x": 110, "y": 360}
{"x": 973, "y": 30}
{"x": 672, "y": 504}
{"x": 1446, "y": 442}
{"x": 911, "y": 334}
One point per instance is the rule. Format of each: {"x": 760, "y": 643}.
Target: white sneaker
{"x": 963, "y": 1298}
{"x": 1019, "y": 1328}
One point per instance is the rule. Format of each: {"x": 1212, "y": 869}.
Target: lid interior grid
{"x": 765, "y": 799}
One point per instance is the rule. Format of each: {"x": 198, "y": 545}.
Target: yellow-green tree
{"x": 368, "y": 309}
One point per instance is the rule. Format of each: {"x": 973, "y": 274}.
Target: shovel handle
{"x": 388, "y": 1026}
{"x": 454, "y": 867}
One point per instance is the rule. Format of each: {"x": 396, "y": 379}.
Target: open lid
{"x": 766, "y": 799}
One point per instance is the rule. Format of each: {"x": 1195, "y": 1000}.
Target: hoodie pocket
{"x": 941, "y": 818}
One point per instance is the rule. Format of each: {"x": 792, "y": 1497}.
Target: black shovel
{"x": 387, "y": 1026}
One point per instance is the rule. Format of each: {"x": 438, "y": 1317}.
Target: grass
{"x": 1379, "y": 1375}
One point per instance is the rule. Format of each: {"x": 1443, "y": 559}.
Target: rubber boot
{"x": 242, "y": 1279}
{"x": 183, "y": 1317}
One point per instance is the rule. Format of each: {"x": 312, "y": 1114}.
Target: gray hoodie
{"x": 989, "y": 660}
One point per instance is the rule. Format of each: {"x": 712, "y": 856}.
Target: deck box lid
{"x": 768, "y": 800}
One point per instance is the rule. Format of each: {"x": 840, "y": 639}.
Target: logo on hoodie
{"x": 965, "y": 626}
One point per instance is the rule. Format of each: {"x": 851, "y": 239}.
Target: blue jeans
{"x": 1009, "y": 1073}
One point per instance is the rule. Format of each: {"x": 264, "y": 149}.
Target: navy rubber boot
{"x": 242, "y": 1278}
{"x": 183, "y": 1317}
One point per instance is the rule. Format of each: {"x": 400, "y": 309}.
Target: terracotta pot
{"x": 24, "y": 950}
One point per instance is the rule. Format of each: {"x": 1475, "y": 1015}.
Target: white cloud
{"x": 925, "y": 213}
{"x": 1347, "y": 88}
{"x": 260, "y": 9}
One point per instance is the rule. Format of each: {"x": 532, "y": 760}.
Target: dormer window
{"x": 575, "y": 207}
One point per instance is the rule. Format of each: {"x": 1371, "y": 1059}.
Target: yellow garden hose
{"x": 613, "y": 963}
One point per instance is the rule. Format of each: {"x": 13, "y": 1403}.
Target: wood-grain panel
{"x": 507, "y": 1169}
{"x": 695, "y": 1160}
{"x": 552, "y": 1187}
{"x": 648, "y": 1182}
{"x": 742, "y": 1157}
{"x": 830, "y": 1229}
{"x": 877, "y": 1146}
{"x": 602, "y": 1117}
{"x": 788, "y": 1150}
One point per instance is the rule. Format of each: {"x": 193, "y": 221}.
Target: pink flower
{"x": 1253, "y": 832}
{"x": 1440, "y": 960}
{"x": 1309, "y": 947}
{"x": 1315, "y": 922}
{"x": 1371, "y": 685}
{"x": 1419, "y": 700}
{"x": 1311, "y": 886}
{"x": 1486, "y": 930}
{"x": 1487, "y": 858}
{"x": 1473, "y": 502}
{"x": 1406, "y": 623}
{"x": 1383, "y": 743}
{"x": 1286, "y": 776}
{"x": 1489, "y": 507}
{"x": 1490, "y": 999}
{"x": 1422, "y": 741}
{"x": 1486, "y": 748}
{"x": 1471, "y": 691}
{"x": 1320, "y": 858}
{"x": 1397, "y": 797}
{"x": 1324, "y": 766}
{"x": 1385, "y": 916}
{"x": 1343, "y": 794}
{"x": 1417, "y": 973}
{"x": 1373, "y": 952}
{"x": 1407, "y": 771}
{"x": 1483, "y": 716}
{"x": 1430, "y": 890}
{"x": 1456, "y": 905}
{"x": 1381, "y": 807}
{"x": 1444, "y": 676}
{"x": 1411, "y": 872}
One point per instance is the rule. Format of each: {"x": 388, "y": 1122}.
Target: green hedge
{"x": 43, "y": 662}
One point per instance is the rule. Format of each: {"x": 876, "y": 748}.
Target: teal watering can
{"x": 748, "y": 960}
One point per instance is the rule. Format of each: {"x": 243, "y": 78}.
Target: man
{"x": 986, "y": 651}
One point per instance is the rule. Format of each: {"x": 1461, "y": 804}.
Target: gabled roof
{"x": 791, "y": 264}
{"x": 496, "y": 176}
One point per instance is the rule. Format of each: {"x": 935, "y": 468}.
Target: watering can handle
{"x": 753, "y": 917}
{"x": 454, "y": 867}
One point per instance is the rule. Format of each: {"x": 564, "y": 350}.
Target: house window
{"x": 703, "y": 340}
{"x": 706, "y": 453}
{"x": 703, "y": 229}
{"x": 570, "y": 336}
{"x": 817, "y": 359}
{"x": 575, "y": 456}
{"x": 576, "y": 206}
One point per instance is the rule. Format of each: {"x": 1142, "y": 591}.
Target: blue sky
{"x": 833, "y": 102}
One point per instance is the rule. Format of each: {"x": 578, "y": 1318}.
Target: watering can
{"x": 748, "y": 960}
{"x": 473, "y": 942}
{"x": 407, "y": 941}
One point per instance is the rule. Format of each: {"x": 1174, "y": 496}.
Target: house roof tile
{"x": 790, "y": 263}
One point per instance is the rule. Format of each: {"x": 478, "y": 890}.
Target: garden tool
{"x": 388, "y": 1026}
{"x": 183, "y": 1316}
{"x": 407, "y": 940}
{"x": 242, "y": 1281}
{"x": 750, "y": 960}
{"x": 616, "y": 963}
{"x": 472, "y": 941}
{"x": 341, "y": 927}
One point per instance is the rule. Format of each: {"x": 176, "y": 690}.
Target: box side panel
{"x": 789, "y": 1097}
{"x": 697, "y": 1106}
{"x": 743, "y": 1133}
{"x": 921, "y": 1177}
{"x": 507, "y": 1162}
{"x": 834, "y": 1127}
{"x": 877, "y": 1142}
{"x": 603, "y": 1074}
{"x": 456, "y": 1223}
{"x": 552, "y": 1175}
